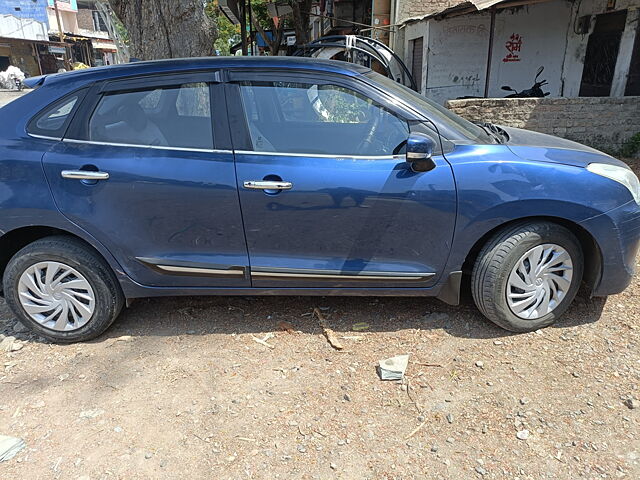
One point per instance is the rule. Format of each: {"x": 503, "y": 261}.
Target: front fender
{"x": 496, "y": 187}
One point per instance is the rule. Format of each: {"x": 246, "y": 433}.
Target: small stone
{"x": 333, "y": 466}
{"x": 450, "y": 440}
{"x": 524, "y": 401}
{"x": 118, "y": 429}
{"x": 302, "y": 449}
{"x": 347, "y": 397}
{"x": 497, "y": 342}
{"x": 341, "y": 442}
{"x": 434, "y": 448}
{"x": 17, "y": 346}
{"x": 449, "y": 418}
{"x": 420, "y": 418}
{"x": 632, "y": 403}
{"x": 7, "y": 343}
{"x": 91, "y": 413}
{"x": 148, "y": 455}
{"x": 485, "y": 429}
{"x": 480, "y": 364}
{"x": 481, "y": 470}
{"x": 522, "y": 434}
{"x": 575, "y": 374}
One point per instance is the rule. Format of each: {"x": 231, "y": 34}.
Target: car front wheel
{"x": 62, "y": 289}
{"x": 526, "y": 276}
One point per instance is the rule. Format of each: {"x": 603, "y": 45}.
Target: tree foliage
{"x": 228, "y": 33}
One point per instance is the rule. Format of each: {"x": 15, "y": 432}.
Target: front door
{"x": 325, "y": 201}
{"x": 138, "y": 171}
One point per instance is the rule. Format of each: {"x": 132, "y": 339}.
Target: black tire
{"x": 499, "y": 256}
{"x": 109, "y": 299}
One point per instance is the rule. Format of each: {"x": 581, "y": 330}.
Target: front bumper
{"x": 617, "y": 233}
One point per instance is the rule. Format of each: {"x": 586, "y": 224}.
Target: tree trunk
{"x": 301, "y": 11}
{"x": 166, "y": 28}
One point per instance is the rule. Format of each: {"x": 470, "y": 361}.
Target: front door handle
{"x": 84, "y": 175}
{"x": 267, "y": 185}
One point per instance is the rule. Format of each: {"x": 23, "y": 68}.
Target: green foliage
{"x": 228, "y": 33}
{"x": 631, "y": 146}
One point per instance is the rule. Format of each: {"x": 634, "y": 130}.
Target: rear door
{"x": 146, "y": 168}
{"x": 325, "y": 201}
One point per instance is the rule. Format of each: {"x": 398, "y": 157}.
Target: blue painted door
{"x": 342, "y": 210}
{"x": 169, "y": 210}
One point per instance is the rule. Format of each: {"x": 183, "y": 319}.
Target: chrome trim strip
{"x": 336, "y": 274}
{"x": 155, "y": 147}
{"x": 201, "y": 271}
{"x": 44, "y": 137}
{"x": 323, "y": 155}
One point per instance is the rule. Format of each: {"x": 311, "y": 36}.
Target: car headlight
{"x": 621, "y": 175}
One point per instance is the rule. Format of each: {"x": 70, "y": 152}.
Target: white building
{"x": 587, "y": 48}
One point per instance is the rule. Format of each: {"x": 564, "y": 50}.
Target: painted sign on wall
{"x": 513, "y": 46}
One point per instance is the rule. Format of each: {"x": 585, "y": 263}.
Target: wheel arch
{"x": 14, "y": 240}
{"x": 590, "y": 249}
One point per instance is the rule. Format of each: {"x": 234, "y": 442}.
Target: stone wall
{"x": 418, "y": 8}
{"x": 605, "y": 123}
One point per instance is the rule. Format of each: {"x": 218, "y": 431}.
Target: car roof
{"x": 187, "y": 64}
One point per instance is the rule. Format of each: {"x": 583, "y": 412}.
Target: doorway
{"x": 416, "y": 61}
{"x": 602, "y": 54}
{"x": 4, "y": 63}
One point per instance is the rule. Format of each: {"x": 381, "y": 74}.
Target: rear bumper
{"x": 617, "y": 233}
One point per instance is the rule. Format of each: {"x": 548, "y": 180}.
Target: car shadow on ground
{"x": 174, "y": 316}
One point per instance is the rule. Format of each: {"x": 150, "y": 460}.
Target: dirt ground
{"x": 179, "y": 388}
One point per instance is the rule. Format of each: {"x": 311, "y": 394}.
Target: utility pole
{"x": 61, "y": 33}
{"x": 60, "y": 30}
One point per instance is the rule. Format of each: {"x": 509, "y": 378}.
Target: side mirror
{"x": 420, "y": 148}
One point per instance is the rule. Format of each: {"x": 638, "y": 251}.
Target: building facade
{"x": 587, "y": 48}
{"x": 38, "y": 39}
{"x": 23, "y": 34}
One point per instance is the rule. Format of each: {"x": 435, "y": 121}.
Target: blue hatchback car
{"x": 292, "y": 176}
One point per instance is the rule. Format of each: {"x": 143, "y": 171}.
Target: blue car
{"x": 292, "y": 176}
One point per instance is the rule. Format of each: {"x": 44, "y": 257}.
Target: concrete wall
{"x": 604, "y": 123}
{"x": 29, "y": 22}
{"x": 456, "y": 62}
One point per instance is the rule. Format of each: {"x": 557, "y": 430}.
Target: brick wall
{"x": 604, "y": 123}
{"x": 85, "y": 18}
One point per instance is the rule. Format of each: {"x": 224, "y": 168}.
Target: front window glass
{"x": 452, "y": 126}
{"x": 173, "y": 116}
{"x": 290, "y": 117}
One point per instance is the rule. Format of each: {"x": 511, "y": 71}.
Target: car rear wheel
{"x": 63, "y": 290}
{"x": 526, "y": 276}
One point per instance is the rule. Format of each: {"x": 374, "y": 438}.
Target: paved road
{"x": 8, "y": 95}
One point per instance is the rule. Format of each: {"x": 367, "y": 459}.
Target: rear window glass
{"x": 53, "y": 121}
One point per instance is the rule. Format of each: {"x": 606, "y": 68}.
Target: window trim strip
{"x": 323, "y": 155}
{"x": 155, "y": 147}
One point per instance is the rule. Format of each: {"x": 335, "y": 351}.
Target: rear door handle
{"x": 267, "y": 185}
{"x": 84, "y": 175}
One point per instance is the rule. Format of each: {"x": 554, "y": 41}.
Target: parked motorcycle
{"x": 533, "y": 92}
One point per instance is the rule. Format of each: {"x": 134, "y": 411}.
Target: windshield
{"x": 451, "y": 126}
